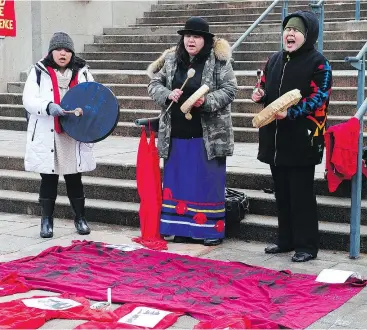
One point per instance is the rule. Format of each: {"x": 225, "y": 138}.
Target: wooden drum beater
{"x": 190, "y": 74}
{"x": 189, "y": 103}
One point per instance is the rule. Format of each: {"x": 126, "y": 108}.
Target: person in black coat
{"x": 293, "y": 144}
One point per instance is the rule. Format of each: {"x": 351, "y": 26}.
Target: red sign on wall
{"x": 7, "y": 18}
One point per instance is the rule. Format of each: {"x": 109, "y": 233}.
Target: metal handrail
{"x": 255, "y": 24}
{"x": 318, "y": 8}
{"x": 359, "y": 55}
{"x": 358, "y": 62}
{"x": 358, "y": 10}
{"x": 318, "y": 4}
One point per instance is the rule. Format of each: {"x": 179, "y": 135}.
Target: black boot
{"x": 47, "y": 220}
{"x": 80, "y": 223}
{"x": 212, "y": 241}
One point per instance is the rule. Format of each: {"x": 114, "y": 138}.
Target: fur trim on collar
{"x": 155, "y": 66}
{"x": 222, "y": 51}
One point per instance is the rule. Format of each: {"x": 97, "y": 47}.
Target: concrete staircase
{"x": 118, "y": 59}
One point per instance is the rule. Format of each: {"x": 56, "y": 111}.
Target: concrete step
{"x": 242, "y": 9}
{"x": 243, "y": 177}
{"x": 251, "y": 65}
{"x": 13, "y": 123}
{"x": 12, "y": 110}
{"x": 192, "y": 5}
{"x": 228, "y": 28}
{"x": 230, "y": 37}
{"x": 244, "y": 92}
{"x": 210, "y": 11}
{"x": 264, "y": 204}
{"x": 179, "y": 24}
{"x": 338, "y": 93}
{"x": 238, "y": 119}
{"x": 245, "y": 120}
{"x": 241, "y": 134}
{"x": 13, "y": 117}
{"x": 144, "y": 29}
{"x": 343, "y": 108}
{"x": 245, "y": 46}
{"x": 340, "y": 15}
{"x": 333, "y": 236}
{"x": 331, "y": 209}
{"x": 11, "y": 98}
{"x": 238, "y": 56}
{"x": 128, "y": 116}
{"x": 244, "y": 78}
{"x": 340, "y": 79}
{"x": 95, "y": 187}
{"x": 174, "y": 5}
{"x": 264, "y": 55}
{"x": 102, "y": 211}
{"x": 112, "y": 76}
{"x": 180, "y": 20}
{"x": 246, "y": 134}
{"x": 15, "y": 87}
{"x": 237, "y": 65}
{"x": 265, "y": 228}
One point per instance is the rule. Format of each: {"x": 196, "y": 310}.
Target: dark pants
{"x": 49, "y": 182}
{"x": 297, "y": 208}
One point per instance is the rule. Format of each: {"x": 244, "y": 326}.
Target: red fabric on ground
{"x": 167, "y": 321}
{"x": 12, "y": 284}
{"x": 148, "y": 178}
{"x": 227, "y": 322}
{"x": 16, "y": 315}
{"x": 206, "y": 289}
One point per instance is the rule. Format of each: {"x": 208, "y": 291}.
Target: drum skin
{"x": 100, "y": 112}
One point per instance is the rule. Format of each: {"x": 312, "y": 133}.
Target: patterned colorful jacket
{"x": 216, "y": 111}
{"x": 297, "y": 140}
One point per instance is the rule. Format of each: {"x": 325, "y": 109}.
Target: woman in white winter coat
{"x": 50, "y": 151}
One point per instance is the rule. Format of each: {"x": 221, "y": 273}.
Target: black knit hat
{"x": 197, "y": 26}
{"x": 61, "y": 40}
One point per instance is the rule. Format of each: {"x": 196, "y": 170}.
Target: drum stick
{"x": 258, "y": 84}
{"x": 190, "y": 74}
{"x": 77, "y": 112}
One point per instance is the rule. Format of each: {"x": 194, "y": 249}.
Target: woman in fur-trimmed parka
{"x": 50, "y": 151}
{"x": 195, "y": 149}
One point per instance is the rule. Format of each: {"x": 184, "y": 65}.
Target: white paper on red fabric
{"x": 336, "y": 276}
{"x": 51, "y": 303}
{"x": 144, "y": 317}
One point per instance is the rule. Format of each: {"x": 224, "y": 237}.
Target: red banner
{"x": 7, "y": 18}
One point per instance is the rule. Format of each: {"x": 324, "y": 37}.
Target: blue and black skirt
{"x": 193, "y": 192}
